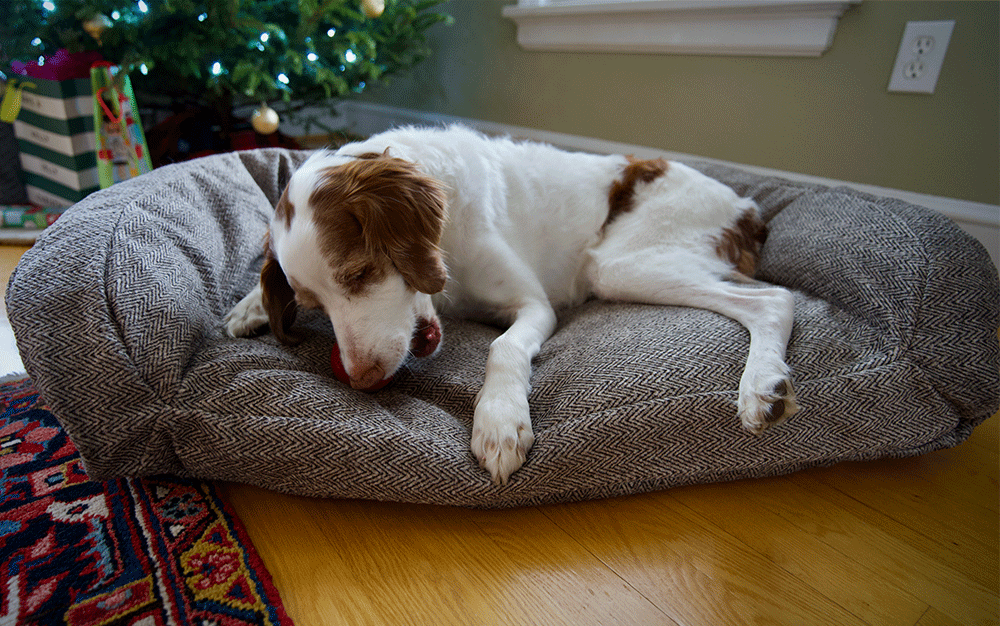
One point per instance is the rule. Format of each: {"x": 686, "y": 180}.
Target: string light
{"x": 312, "y": 56}
{"x": 203, "y": 17}
{"x": 329, "y": 33}
{"x": 49, "y": 5}
{"x": 349, "y": 56}
{"x": 115, "y": 15}
{"x": 283, "y": 78}
{"x": 264, "y": 37}
{"x": 216, "y": 68}
{"x": 143, "y": 7}
{"x": 36, "y": 41}
{"x": 144, "y": 69}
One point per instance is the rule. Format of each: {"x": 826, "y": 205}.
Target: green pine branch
{"x": 231, "y": 51}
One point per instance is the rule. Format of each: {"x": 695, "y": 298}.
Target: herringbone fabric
{"x": 118, "y": 312}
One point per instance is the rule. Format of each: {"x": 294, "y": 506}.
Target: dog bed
{"x": 118, "y": 315}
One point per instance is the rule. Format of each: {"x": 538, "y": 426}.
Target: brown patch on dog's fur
{"x": 277, "y": 296}
{"x": 285, "y": 209}
{"x": 740, "y": 244}
{"x": 377, "y": 213}
{"x": 622, "y": 194}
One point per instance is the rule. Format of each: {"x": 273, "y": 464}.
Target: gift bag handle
{"x": 111, "y": 116}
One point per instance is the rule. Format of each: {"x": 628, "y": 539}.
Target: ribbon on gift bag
{"x": 122, "y": 151}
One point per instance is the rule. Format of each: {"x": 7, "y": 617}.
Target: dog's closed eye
{"x": 357, "y": 279}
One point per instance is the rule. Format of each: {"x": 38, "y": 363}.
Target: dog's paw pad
{"x": 501, "y": 437}
{"x": 760, "y": 411}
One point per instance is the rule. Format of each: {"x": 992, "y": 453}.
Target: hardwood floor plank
{"x": 338, "y": 562}
{"x": 695, "y": 573}
{"x": 948, "y": 497}
{"x": 738, "y": 509}
{"x": 901, "y": 556}
{"x": 582, "y": 587}
{"x": 9, "y": 256}
{"x": 355, "y": 562}
{"x": 987, "y": 436}
{"x": 933, "y": 617}
{"x": 896, "y": 489}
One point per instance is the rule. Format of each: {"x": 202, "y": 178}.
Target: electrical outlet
{"x": 921, "y": 54}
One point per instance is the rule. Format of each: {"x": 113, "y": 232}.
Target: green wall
{"x": 829, "y": 116}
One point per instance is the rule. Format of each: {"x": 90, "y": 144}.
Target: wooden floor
{"x": 907, "y": 542}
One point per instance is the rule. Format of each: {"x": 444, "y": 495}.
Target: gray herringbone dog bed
{"x": 118, "y": 308}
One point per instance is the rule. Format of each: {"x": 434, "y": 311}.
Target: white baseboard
{"x": 979, "y": 219}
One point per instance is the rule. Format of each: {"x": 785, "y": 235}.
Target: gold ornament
{"x": 265, "y": 120}
{"x": 96, "y": 26}
{"x": 373, "y": 8}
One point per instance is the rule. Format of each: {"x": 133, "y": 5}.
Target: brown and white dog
{"x": 384, "y": 233}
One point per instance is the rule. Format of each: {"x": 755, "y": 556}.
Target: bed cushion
{"x": 118, "y": 316}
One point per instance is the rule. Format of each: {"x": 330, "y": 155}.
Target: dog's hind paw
{"x": 760, "y": 411}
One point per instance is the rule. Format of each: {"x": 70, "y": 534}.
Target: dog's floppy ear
{"x": 397, "y": 211}
{"x": 278, "y": 298}
{"x": 400, "y": 210}
{"x": 417, "y": 234}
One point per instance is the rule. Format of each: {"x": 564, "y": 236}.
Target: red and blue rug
{"x": 129, "y": 552}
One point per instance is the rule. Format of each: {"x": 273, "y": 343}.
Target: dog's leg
{"x": 501, "y": 430}
{"x": 766, "y": 396}
{"x": 247, "y": 316}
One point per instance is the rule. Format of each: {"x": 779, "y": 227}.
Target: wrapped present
{"x": 55, "y": 128}
{"x": 29, "y": 216}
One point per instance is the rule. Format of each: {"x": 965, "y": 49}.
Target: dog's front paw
{"x": 501, "y": 434}
{"x": 247, "y": 316}
{"x": 761, "y": 410}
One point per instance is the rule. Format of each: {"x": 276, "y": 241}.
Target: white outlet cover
{"x": 923, "y": 45}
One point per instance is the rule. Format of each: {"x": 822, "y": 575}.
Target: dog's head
{"x": 358, "y": 237}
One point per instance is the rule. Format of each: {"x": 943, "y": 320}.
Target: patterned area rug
{"x": 143, "y": 552}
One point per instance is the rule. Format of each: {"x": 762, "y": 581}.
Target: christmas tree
{"x": 225, "y": 53}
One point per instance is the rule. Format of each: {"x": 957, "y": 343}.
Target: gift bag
{"x": 122, "y": 152}
{"x": 54, "y": 124}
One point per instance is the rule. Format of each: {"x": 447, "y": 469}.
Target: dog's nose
{"x": 366, "y": 374}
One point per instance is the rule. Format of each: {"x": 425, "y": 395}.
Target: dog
{"x": 385, "y": 233}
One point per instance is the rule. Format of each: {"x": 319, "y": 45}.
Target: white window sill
{"x": 728, "y": 27}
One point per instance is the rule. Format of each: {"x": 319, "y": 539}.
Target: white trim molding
{"x": 716, "y": 27}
